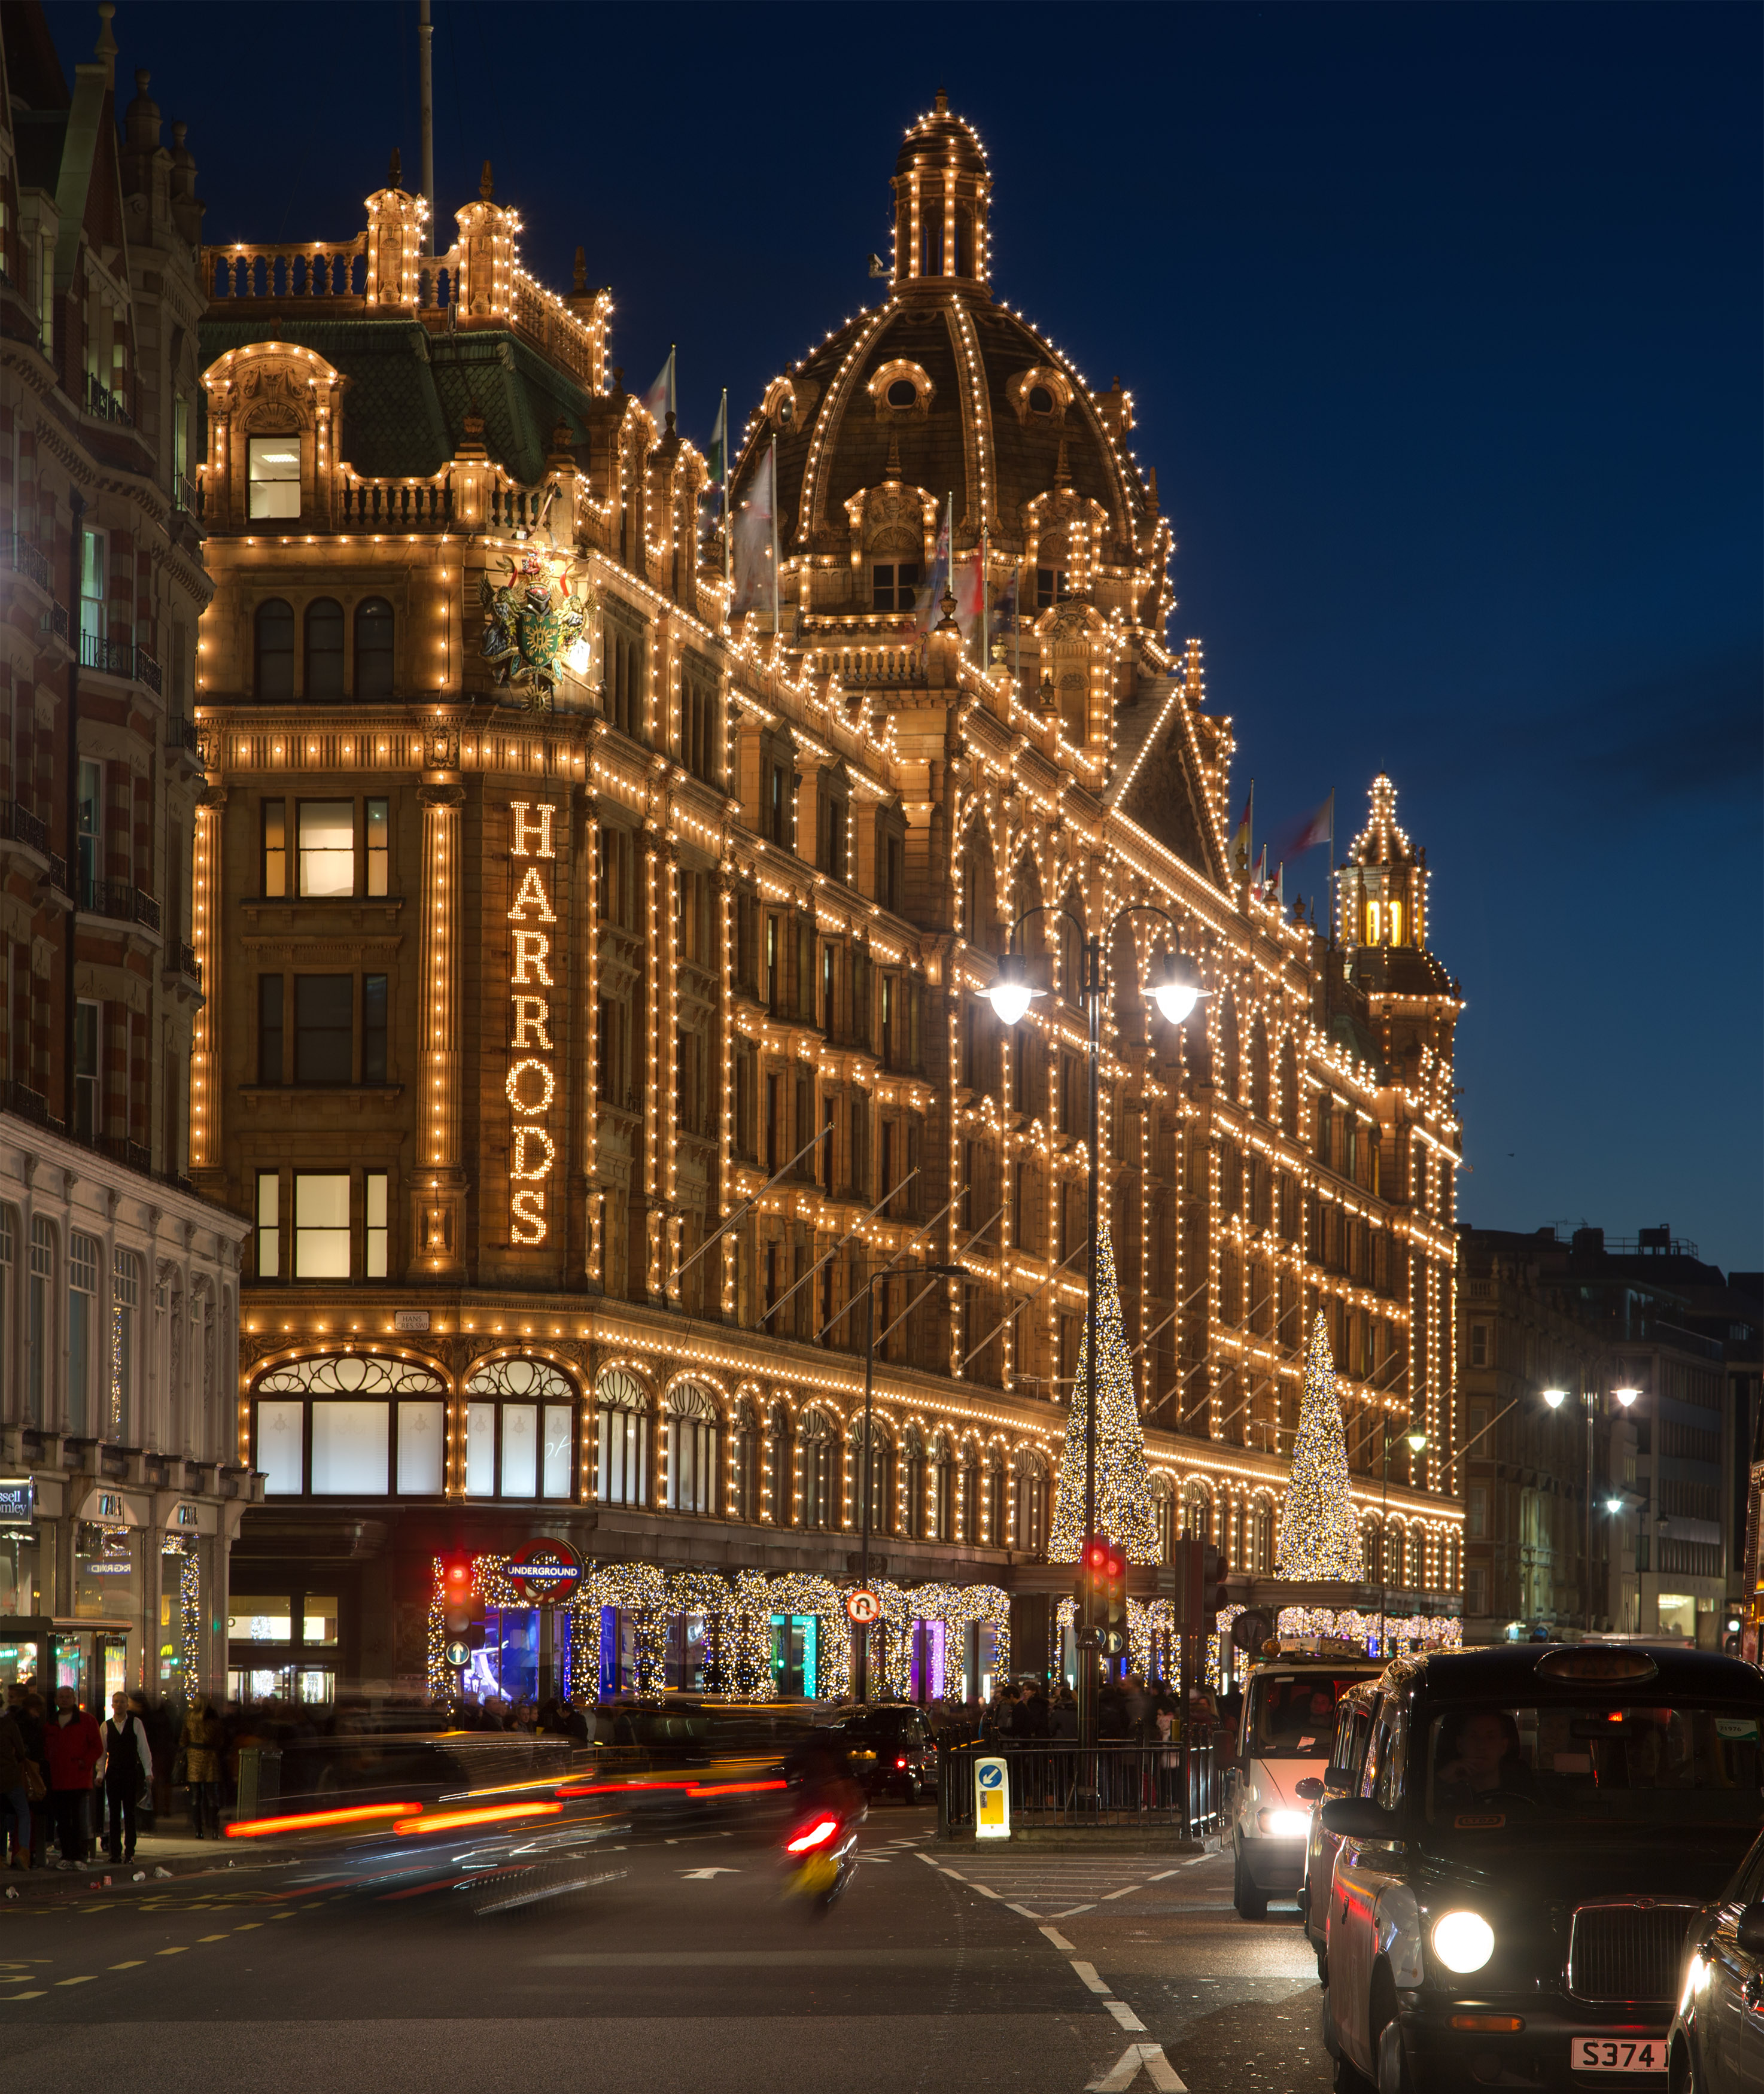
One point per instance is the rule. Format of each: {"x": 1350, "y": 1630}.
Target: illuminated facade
{"x": 552, "y": 912}
{"x": 118, "y": 1285}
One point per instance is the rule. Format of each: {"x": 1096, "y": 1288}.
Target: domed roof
{"x": 943, "y": 388}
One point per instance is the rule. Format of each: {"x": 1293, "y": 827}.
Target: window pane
{"x": 321, "y": 1225}
{"x": 325, "y": 648}
{"x": 373, "y": 1028}
{"x": 350, "y": 1444}
{"x": 319, "y": 1619}
{"x": 268, "y": 1233}
{"x": 480, "y": 1450}
{"x": 421, "y": 1437}
{"x": 373, "y": 648}
{"x": 328, "y": 847}
{"x": 274, "y": 472}
{"x": 379, "y": 845}
{"x": 375, "y": 1243}
{"x": 260, "y": 1620}
{"x": 324, "y": 1023}
{"x": 557, "y": 1479}
{"x": 280, "y": 1452}
{"x": 520, "y": 1450}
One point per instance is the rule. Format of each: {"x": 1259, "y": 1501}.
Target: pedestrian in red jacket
{"x": 73, "y": 1745}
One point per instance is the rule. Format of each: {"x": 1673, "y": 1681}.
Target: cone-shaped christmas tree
{"x": 1124, "y": 1510}
{"x": 1320, "y": 1537}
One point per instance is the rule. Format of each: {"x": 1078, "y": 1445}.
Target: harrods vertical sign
{"x": 537, "y": 980}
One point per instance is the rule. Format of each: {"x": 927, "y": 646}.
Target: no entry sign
{"x": 546, "y": 1573}
{"x": 863, "y": 1607}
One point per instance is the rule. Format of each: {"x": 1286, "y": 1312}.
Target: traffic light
{"x": 1214, "y": 1571}
{"x": 456, "y": 1593}
{"x": 1113, "y": 1598}
{"x": 1088, "y": 1591}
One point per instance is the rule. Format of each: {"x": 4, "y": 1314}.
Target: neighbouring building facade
{"x": 123, "y": 1481}
{"x": 1642, "y": 1528}
{"x": 592, "y": 982}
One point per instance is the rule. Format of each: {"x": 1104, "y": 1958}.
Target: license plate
{"x": 1617, "y": 2053}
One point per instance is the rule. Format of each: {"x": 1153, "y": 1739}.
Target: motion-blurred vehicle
{"x": 1288, "y": 1728}
{"x": 1354, "y": 1717}
{"x": 889, "y": 1747}
{"x": 1534, "y": 1829}
{"x": 1715, "y": 2044}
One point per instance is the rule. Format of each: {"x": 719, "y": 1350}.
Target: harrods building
{"x": 546, "y": 910}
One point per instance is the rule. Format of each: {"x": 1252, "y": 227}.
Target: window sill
{"x": 391, "y": 903}
{"x": 357, "y": 1091}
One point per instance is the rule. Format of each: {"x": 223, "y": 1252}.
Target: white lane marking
{"x": 1059, "y": 1940}
{"x": 1161, "y": 1874}
{"x": 984, "y": 1892}
{"x": 1088, "y": 1972}
{"x": 1107, "y": 1895}
{"x": 1125, "y": 2015}
{"x": 1072, "y": 1908}
{"x": 700, "y": 1875}
{"x": 1127, "y": 2070}
{"x": 928, "y": 1861}
{"x": 956, "y": 1872}
{"x": 1024, "y": 1910}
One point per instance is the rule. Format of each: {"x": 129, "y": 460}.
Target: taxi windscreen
{"x": 1639, "y": 1763}
{"x": 1292, "y": 1715}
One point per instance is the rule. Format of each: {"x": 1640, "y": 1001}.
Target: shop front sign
{"x": 18, "y": 1501}
{"x": 547, "y": 1574}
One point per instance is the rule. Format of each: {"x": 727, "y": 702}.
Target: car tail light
{"x": 900, "y": 1763}
{"x": 817, "y": 1836}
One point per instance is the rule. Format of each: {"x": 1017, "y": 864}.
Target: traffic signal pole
{"x": 1087, "y": 1633}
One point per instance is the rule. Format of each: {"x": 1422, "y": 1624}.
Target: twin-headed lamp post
{"x": 1589, "y": 1404}
{"x": 1010, "y": 994}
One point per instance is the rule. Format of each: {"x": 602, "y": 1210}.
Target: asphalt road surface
{"x": 938, "y": 1971}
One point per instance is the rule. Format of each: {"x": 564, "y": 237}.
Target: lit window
{"x": 275, "y": 474}
{"x": 269, "y": 1234}
{"x": 375, "y": 1243}
{"x": 379, "y": 845}
{"x": 275, "y": 850}
{"x": 327, "y": 847}
{"x": 321, "y": 1225}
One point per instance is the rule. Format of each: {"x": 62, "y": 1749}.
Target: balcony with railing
{"x": 19, "y": 825}
{"x": 181, "y": 735}
{"x": 120, "y": 658}
{"x": 24, "y": 559}
{"x": 122, "y": 901}
{"x": 392, "y": 504}
{"x": 107, "y": 406}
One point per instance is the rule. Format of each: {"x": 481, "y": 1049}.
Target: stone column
{"x": 438, "y": 1197}
{"x": 205, "y": 935}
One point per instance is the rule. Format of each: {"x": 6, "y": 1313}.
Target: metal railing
{"x": 25, "y": 559}
{"x": 187, "y": 962}
{"x": 100, "y": 400}
{"x": 115, "y": 657}
{"x": 122, "y": 900}
{"x": 1060, "y": 1786}
{"x": 23, "y": 827}
{"x": 181, "y": 733}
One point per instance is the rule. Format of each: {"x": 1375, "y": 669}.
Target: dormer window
{"x": 893, "y": 587}
{"x": 1050, "y": 587}
{"x": 786, "y": 411}
{"x": 274, "y": 467}
{"x": 1041, "y": 400}
{"x": 902, "y": 393}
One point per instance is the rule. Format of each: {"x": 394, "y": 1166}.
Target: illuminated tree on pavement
{"x": 1319, "y": 1537}
{"x": 1124, "y": 1510}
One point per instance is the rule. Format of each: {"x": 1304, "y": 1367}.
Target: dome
{"x": 941, "y": 137}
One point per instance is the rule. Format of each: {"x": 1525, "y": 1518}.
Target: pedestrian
{"x": 74, "y": 1746}
{"x": 127, "y": 1775}
{"x": 32, "y": 1723}
{"x": 1063, "y": 1717}
{"x": 199, "y": 1752}
{"x": 15, "y": 1770}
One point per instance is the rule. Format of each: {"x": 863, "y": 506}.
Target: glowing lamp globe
{"x": 576, "y": 657}
{"x": 1555, "y": 1397}
{"x": 1417, "y": 1442}
{"x": 1175, "y": 996}
{"x": 1626, "y": 1397}
{"x": 1010, "y": 994}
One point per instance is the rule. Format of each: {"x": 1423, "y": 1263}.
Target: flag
{"x": 716, "y": 451}
{"x": 1240, "y": 849}
{"x": 929, "y": 607}
{"x": 1319, "y": 827}
{"x": 1280, "y": 888}
{"x": 751, "y": 533}
{"x": 659, "y": 399}
{"x": 1259, "y": 886}
{"x": 966, "y": 584}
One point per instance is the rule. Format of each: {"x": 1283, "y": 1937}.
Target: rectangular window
{"x": 327, "y": 847}
{"x": 480, "y": 1450}
{"x": 94, "y": 566}
{"x": 379, "y": 846}
{"x": 1049, "y": 586}
{"x": 558, "y": 1479}
{"x": 269, "y": 1028}
{"x": 269, "y": 1233}
{"x": 520, "y": 1450}
{"x": 90, "y": 868}
{"x": 1476, "y": 1511}
{"x": 422, "y": 1446}
{"x": 350, "y": 1448}
{"x": 1479, "y": 1344}
{"x": 87, "y": 1109}
{"x": 275, "y": 850}
{"x": 373, "y": 1028}
{"x": 281, "y": 1448}
{"x": 324, "y": 1024}
{"x": 125, "y": 1301}
{"x": 274, "y": 467}
{"x": 39, "y": 1330}
{"x": 321, "y": 1225}
{"x": 181, "y": 449}
{"x": 83, "y": 1410}
{"x": 374, "y": 1245}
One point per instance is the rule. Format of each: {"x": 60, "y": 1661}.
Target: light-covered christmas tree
{"x": 1320, "y": 1537}
{"x": 1124, "y": 1510}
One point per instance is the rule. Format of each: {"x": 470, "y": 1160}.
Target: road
{"x": 939, "y": 1971}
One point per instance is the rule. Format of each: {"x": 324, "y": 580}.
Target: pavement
{"x": 1049, "y": 1974}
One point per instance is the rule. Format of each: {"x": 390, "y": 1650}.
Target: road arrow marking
{"x": 701, "y": 1875}
{"x": 1127, "y": 2070}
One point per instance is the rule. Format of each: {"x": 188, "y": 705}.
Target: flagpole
{"x": 985, "y": 592}
{"x": 729, "y": 529}
{"x": 776, "y": 613}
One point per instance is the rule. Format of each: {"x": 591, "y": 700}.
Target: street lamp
{"x": 1589, "y": 1403}
{"x": 941, "y": 1272}
{"x": 1011, "y": 993}
{"x": 1626, "y": 1397}
{"x": 1417, "y": 1440}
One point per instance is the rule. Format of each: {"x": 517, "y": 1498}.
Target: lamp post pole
{"x": 1417, "y": 1442}
{"x": 1010, "y": 996}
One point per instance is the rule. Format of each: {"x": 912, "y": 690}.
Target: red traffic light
{"x": 1097, "y": 1555}
{"x": 458, "y": 1576}
{"x": 1117, "y": 1563}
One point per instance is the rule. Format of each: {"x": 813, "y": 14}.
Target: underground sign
{"x": 546, "y": 1574}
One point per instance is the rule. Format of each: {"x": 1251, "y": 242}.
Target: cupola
{"x": 1382, "y": 885}
{"x": 942, "y": 196}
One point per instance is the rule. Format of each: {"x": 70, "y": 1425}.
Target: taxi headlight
{"x": 1284, "y": 1824}
{"x": 1463, "y": 1941}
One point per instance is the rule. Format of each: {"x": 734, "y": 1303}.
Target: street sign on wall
{"x": 992, "y": 1800}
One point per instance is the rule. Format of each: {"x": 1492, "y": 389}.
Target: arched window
{"x": 1369, "y": 1551}
{"x": 1260, "y": 1538}
{"x": 1164, "y": 1513}
{"x": 373, "y": 648}
{"x": 621, "y": 1448}
{"x": 692, "y": 1449}
{"x": 966, "y": 1497}
{"x": 325, "y": 648}
{"x": 1031, "y": 1523}
{"x": 125, "y": 1340}
{"x": 1196, "y": 1512}
{"x": 879, "y": 1472}
{"x": 347, "y": 1425}
{"x": 1258, "y": 1070}
{"x": 743, "y": 1487}
{"x": 943, "y": 1490}
{"x": 778, "y": 1502}
{"x": 520, "y": 1431}
{"x": 818, "y": 1448}
{"x": 912, "y": 1513}
{"x": 1072, "y": 961}
{"x": 273, "y": 673}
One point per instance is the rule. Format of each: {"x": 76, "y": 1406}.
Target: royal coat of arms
{"x": 535, "y": 627}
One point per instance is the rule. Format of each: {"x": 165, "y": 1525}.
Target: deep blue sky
{"x": 1444, "y": 323}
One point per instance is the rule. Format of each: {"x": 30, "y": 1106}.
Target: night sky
{"x": 1444, "y": 328}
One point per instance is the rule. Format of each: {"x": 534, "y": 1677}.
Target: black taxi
{"x": 1535, "y": 1828}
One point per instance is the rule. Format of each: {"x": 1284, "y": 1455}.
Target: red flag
{"x": 1319, "y": 827}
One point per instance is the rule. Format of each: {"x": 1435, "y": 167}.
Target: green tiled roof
{"x": 410, "y": 392}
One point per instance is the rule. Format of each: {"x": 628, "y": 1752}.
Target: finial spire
{"x": 891, "y": 470}
{"x": 486, "y": 186}
{"x": 395, "y": 171}
{"x": 942, "y": 103}
{"x": 106, "y": 47}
